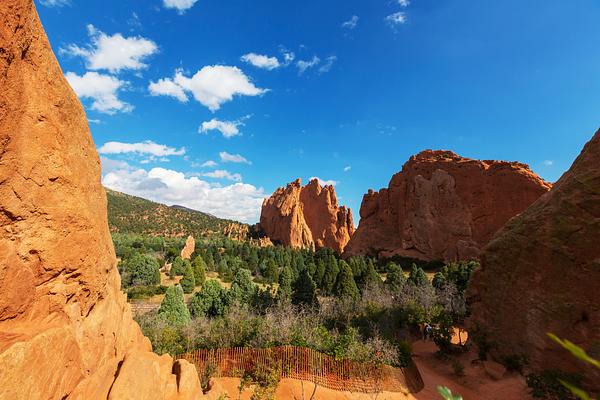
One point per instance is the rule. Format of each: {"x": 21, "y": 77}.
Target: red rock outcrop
{"x": 307, "y": 217}
{"x": 66, "y": 330}
{"x": 541, "y": 273}
{"x": 189, "y": 248}
{"x": 442, "y": 206}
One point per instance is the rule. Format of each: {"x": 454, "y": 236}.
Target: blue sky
{"x": 213, "y": 104}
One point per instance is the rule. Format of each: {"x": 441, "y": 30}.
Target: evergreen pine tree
{"x": 242, "y": 287}
{"x": 417, "y": 276}
{"x": 331, "y": 274}
{"x": 199, "y": 267}
{"x": 188, "y": 282}
{"x": 304, "y": 292}
{"x": 345, "y": 286}
{"x": 395, "y": 277}
{"x": 177, "y": 267}
{"x": 371, "y": 277}
{"x": 173, "y": 309}
{"x": 284, "y": 292}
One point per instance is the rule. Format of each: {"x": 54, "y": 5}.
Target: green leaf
{"x": 447, "y": 393}
{"x": 575, "y": 350}
{"x": 575, "y": 390}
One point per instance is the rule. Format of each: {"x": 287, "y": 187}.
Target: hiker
{"x": 427, "y": 331}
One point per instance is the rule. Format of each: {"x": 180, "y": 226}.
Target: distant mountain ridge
{"x": 131, "y": 214}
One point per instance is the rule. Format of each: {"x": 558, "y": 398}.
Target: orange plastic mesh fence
{"x": 308, "y": 365}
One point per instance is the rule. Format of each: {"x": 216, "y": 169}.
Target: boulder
{"x": 307, "y": 217}
{"x": 494, "y": 370}
{"x": 541, "y": 273}
{"x": 66, "y": 329}
{"x": 442, "y": 206}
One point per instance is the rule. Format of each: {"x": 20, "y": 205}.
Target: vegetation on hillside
{"x": 134, "y": 215}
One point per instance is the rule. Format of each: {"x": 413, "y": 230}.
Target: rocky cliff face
{"x": 307, "y": 217}
{"x": 541, "y": 273}
{"x": 65, "y": 327}
{"x": 442, "y": 206}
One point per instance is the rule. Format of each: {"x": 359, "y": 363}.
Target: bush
{"x": 173, "y": 309}
{"x": 211, "y": 301}
{"x": 144, "y": 292}
{"x": 345, "y": 285}
{"x": 458, "y": 368}
{"x": 305, "y": 291}
{"x": 140, "y": 270}
{"x": 177, "y": 267}
{"x": 547, "y": 385}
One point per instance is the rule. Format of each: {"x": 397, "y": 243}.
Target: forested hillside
{"x": 130, "y": 214}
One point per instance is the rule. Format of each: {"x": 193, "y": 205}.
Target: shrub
{"x": 242, "y": 288}
{"x": 177, "y": 267}
{"x": 173, "y": 309}
{"x": 144, "y": 292}
{"x": 140, "y": 270}
{"x": 547, "y": 384}
{"x": 458, "y": 368}
{"x": 211, "y": 301}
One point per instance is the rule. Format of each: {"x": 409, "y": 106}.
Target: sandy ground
{"x": 474, "y": 385}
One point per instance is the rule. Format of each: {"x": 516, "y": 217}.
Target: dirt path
{"x": 474, "y": 385}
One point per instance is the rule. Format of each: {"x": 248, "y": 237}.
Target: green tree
{"x": 330, "y": 276}
{"x": 140, "y": 270}
{"x": 284, "y": 292}
{"x": 417, "y": 276}
{"x": 345, "y": 285}
{"x": 199, "y": 267}
{"x": 395, "y": 277}
{"x": 188, "y": 282}
{"x": 177, "y": 267}
{"x": 211, "y": 301}
{"x": 173, "y": 309}
{"x": 371, "y": 277}
{"x": 271, "y": 272}
{"x": 439, "y": 280}
{"x": 242, "y": 287}
{"x": 304, "y": 290}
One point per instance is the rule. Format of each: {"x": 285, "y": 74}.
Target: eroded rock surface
{"x": 307, "y": 217}
{"x": 541, "y": 273}
{"x": 442, "y": 206}
{"x": 66, "y": 330}
{"x": 189, "y": 248}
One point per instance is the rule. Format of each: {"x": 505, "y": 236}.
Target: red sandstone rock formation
{"x": 541, "y": 273}
{"x": 307, "y": 217}
{"x": 189, "y": 248}
{"x": 443, "y": 207}
{"x": 66, "y": 330}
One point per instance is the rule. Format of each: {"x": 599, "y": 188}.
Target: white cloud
{"x": 101, "y": 89}
{"x": 94, "y": 121}
{"x": 227, "y": 128}
{"x": 323, "y": 182}
{"x": 180, "y": 5}
{"x": 351, "y": 23}
{"x": 109, "y": 165}
{"x": 396, "y": 19}
{"x": 261, "y": 61}
{"x": 209, "y": 164}
{"x": 234, "y": 158}
{"x": 223, "y": 174}
{"x": 211, "y": 86}
{"x": 146, "y": 147}
{"x": 115, "y": 52}
{"x": 288, "y": 56}
{"x": 348, "y": 168}
{"x": 55, "y": 3}
{"x": 239, "y": 201}
{"x": 328, "y": 64}
{"x": 404, "y": 3}
{"x": 303, "y": 65}
{"x": 166, "y": 87}
{"x": 548, "y": 163}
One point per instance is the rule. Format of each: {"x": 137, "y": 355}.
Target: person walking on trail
{"x": 427, "y": 332}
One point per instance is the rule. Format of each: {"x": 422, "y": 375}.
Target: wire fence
{"x": 308, "y": 365}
